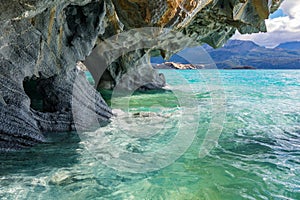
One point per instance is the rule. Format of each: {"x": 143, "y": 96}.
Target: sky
{"x": 283, "y": 26}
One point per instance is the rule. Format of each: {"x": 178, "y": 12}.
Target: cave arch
{"x": 30, "y": 85}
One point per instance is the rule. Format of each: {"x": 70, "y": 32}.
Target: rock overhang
{"x": 45, "y": 40}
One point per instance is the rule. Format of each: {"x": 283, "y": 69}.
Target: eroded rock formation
{"x": 41, "y": 42}
{"x": 41, "y": 49}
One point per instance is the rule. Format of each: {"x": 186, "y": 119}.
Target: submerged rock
{"x": 41, "y": 42}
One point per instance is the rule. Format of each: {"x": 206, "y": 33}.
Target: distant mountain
{"x": 157, "y": 60}
{"x": 240, "y": 53}
{"x": 195, "y": 55}
{"x": 236, "y": 53}
{"x": 290, "y": 45}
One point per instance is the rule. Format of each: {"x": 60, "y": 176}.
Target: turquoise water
{"x": 213, "y": 135}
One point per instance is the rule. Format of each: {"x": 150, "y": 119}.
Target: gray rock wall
{"x": 44, "y": 49}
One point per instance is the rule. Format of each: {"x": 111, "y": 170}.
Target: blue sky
{"x": 283, "y": 26}
{"x": 278, "y": 13}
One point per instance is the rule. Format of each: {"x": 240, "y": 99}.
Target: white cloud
{"x": 281, "y": 29}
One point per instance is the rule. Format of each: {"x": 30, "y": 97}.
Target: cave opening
{"x": 41, "y": 92}
{"x": 31, "y": 88}
{"x": 104, "y": 86}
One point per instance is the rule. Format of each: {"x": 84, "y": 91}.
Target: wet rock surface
{"x": 41, "y": 42}
{"x": 42, "y": 51}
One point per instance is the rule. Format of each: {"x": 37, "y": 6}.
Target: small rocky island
{"x": 242, "y": 67}
{"x": 173, "y": 65}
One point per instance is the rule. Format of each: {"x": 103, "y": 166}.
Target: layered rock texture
{"x": 41, "y": 42}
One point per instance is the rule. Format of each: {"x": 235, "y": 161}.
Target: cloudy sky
{"x": 283, "y": 26}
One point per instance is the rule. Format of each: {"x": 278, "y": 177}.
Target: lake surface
{"x": 228, "y": 134}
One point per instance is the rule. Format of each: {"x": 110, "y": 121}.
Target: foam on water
{"x": 257, "y": 155}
